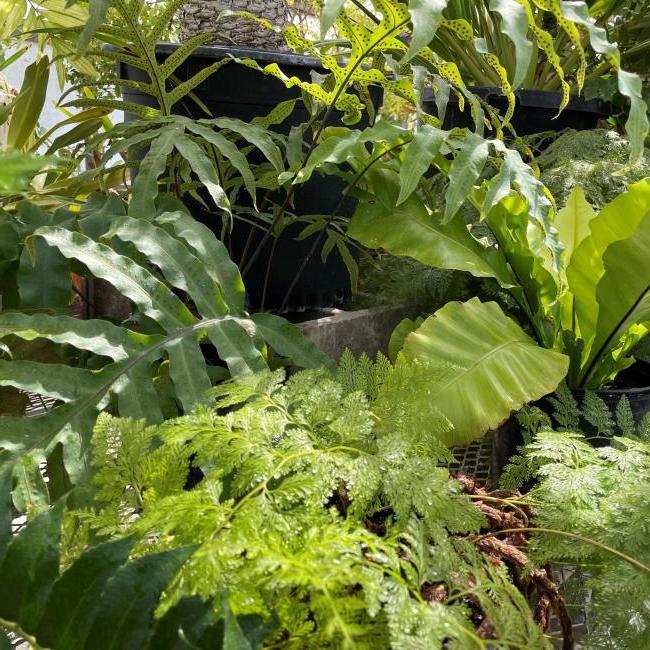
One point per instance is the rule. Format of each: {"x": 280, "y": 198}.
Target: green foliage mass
{"x": 600, "y": 497}
{"x": 594, "y": 160}
{"x": 597, "y": 420}
{"x": 320, "y": 521}
{"x": 186, "y": 304}
{"x": 390, "y": 280}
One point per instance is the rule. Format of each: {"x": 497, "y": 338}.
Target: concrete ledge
{"x": 367, "y": 330}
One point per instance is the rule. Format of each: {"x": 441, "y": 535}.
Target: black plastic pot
{"x": 633, "y": 383}
{"x": 536, "y": 110}
{"x": 238, "y": 91}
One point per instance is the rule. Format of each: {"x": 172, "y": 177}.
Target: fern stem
{"x": 580, "y": 538}
{"x": 511, "y": 502}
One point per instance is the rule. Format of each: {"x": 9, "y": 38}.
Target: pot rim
{"x": 257, "y": 54}
{"x": 536, "y": 98}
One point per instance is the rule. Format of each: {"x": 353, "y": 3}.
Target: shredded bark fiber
{"x": 536, "y": 584}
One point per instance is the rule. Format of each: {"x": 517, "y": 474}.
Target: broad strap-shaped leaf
{"x": 244, "y": 632}
{"x": 426, "y": 16}
{"x": 136, "y": 394}
{"x": 188, "y": 373}
{"x": 151, "y": 296}
{"x": 229, "y": 150}
{"x": 29, "y": 569}
{"x": 490, "y": 366}
{"x": 337, "y": 147}
{"x": 154, "y": 163}
{"x": 515, "y": 174}
{"x": 44, "y": 276}
{"x": 6, "y": 475}
{"x": 531, "y": 262}
{"x": 135, "y": 390}
{"x": 397, "y": 338}
{"x": 515, "y": 27}
{"x": 256, "y": 135}
{"x": 155, "y": 300}
{"x": 76, "y": 595}
{"x": 61, "y": 382}
{"x": 616, "y": 221}
{"x": 97, "y": 10}
{"x": 97, "y": 336}
{"x": 465, "y": 171}
{"x": 573, "y": 222}
{"x": 200, "y": 164}
{"x": 187, "y": 272}
{"x": 191, "y": 623}
{"x": 20, "y": 435}
{"x": 410, "y": 230}
{"x": 179, "y": 266}
{"x": 34, "y": 89}
{"x": 623, "y": 293}
{"x": 288, "y": 340}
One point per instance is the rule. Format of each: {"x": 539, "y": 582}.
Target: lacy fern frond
{"x": 313, "y": 513}
{"x": 625, "y": 417}
{"x": 600, "y": 498}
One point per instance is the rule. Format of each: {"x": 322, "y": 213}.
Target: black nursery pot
{"x": 535, "y": 112}
{"x": 633, "y": 383}
{"x": 241, "y": 92}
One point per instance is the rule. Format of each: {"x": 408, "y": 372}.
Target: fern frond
{"x": 597, "y": 413}
{"x": 625, "y": 417}
{"x": 567, "y": 411}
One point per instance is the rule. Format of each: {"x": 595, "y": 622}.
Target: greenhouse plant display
{"x": 197, "y": 473}
{"x": 581, "y": 287}
{"x": 441, "y": 72}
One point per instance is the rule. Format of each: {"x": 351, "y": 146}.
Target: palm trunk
{"x": 200, "y": 16}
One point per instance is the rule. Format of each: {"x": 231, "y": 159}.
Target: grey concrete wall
{"x": 367, "y": 330}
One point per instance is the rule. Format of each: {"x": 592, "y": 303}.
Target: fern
{"x": 363, "y": 375}
{"x": 593, "y": 414}
{"x": 625, "y": 417}
{"x": 566, "y": 413}
{"x": 314, "y": 520}
{"x": 597, "y": 413}
{"x": 598, "y": 495}
{"x": 133, "y": 41}
{"x": 176, "y": 256}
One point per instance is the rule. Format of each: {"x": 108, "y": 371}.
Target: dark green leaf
{"x": 125, "y": 612}
{"x": 287, "y": 339}
{"x": 6, "y": 473}
{"x": 190, "y": 624}
{"x": 29, "y": 569}
{"x": 76, "y": 596}
{"x": 34, "y": 88}
{"x": 96, "y": 13}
